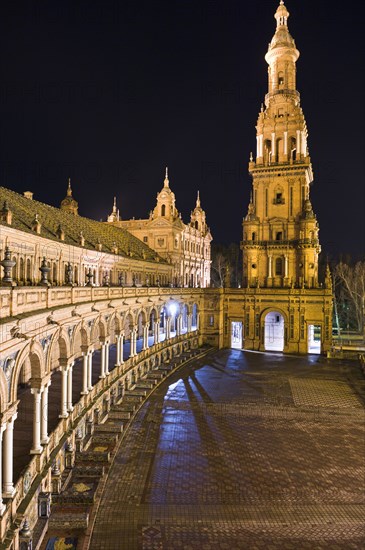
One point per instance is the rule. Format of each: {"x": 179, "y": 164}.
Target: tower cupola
{"x": 69, "y": 204}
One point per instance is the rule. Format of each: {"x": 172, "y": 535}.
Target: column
{"x": 257, "y": 146}
{"x": 135, "y": 341}
{"x": 156, "y": 331}
{"x": 90, "y": 370}
{"x": 168, "y": 328}
{"x": 69, "y": 388}
{"x": 273, "y": 147}
{"x": 64, "y": 413}
{"x": 285, "y": 143}
{"x": 2, "y": 505}
{"x": 44, "y": 414}
{"x": 37, "y": 447}
{"x": 299, "y": 139}
{"x": 102, "y": 356}
{"x": 285, "y": 266}
{"x": 145, "y": 337}
{"x": 117, "y": 346}
{"x": 197, "y": 320}
{"x": 269, "y": 271}
{"x": 8, "y": 486}
{"x": 131, "y": 351}
{"x": 84, "y": 373}
{"x": 107, "y": 358}
{"x": 189, "y": 322}
{"x": 121, "y": 345}
{"x": 178, "y": 325}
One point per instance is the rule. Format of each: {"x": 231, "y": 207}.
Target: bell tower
{"x": 280, "y": 231}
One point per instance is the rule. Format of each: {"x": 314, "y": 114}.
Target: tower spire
{"x": 69, "y": 190}
{"x": 166, "y": 181}
{"x": 198, "y": 200}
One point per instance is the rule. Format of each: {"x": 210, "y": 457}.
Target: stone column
{"x": 44, "y": 414}
{"x": 178, "y": 325}
{"x": 37, "y": 447}
{"x": 285, "y": 266}
{"x": 189, "y": 316}
{"x": 8, "y": 486}
{"x": 2, "y": 505}
{"x": 69, "y": 388}
{"x": 269, "y": 271}
{"x": 299, "y": 139}
{"x": 107, "y": 358}
{"x": 102, "y": 357}
{"x": 117, "y": 347}
{"x": 273, "y": 147}
{"x": 84, "y": 373}
{"x": 90, "y": 370}
{"x": 131, "y": 351}
{"x": 145, "y": 337}
{"x": 64, "y": 413}
{"x": 156, "y": 332}
{"x": 285, "y": 143}
{"x": 197, "y": 320}
{"x": 168, "y": 328}
{"x": 135, "y": 341}
{"x": 121, "y": 344}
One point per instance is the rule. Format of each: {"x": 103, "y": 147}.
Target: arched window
{"x": 279, "y": 266}
{"x": 28, "y": 270}
{"x": 196, "y": 225}
{"x": 163, "y": 210}
{"x": 281, "y": 80}
{"x": 293, "y": 148}
{"x": 267, "y": 150}
{"x": 253, "y": 236}
{"x": 279, "y": 236}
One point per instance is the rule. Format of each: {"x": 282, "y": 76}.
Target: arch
{"x": 80, "y": 338}
{"x": 3, "y": 392}
{"x": 274, "y": 323}
{"x": 35, "y": 353}
{"x": 60, "y": 343}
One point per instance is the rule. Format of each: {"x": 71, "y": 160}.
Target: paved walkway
{"x": 242, "y": 451}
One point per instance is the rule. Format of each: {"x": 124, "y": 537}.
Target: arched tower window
{"x": 279, "y": 236}
{"x": 279, "y": 266}
{"x": 267, "y": 150}
{"x": 253, "y": 236}
{"x": 163, "y": 210}
{"x": 281, "y": 80}
{"x": 293, "y": 148}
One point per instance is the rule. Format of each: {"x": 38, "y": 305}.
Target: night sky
{"x": 109, "y": 93}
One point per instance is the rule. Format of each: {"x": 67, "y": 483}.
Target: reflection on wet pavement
{"x": 242, "y": 450}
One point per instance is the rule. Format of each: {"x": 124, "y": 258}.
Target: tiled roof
{"x": 24, "y": 211}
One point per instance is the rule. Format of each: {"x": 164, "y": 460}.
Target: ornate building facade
{"x": 185, "y": 246}
{"x": 282, "y": 306}
{"x": 87, "y": 330}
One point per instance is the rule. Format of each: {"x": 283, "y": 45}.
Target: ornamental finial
{"x": 166, "y": 181}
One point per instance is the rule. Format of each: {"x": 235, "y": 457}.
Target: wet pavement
{"x": 242, "y": 450}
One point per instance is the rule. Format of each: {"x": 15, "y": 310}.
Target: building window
{"x": 253, "y": 236}
{"x": 279, "y": 236}
{"x": 163, "y": 210}
{"x": 279, "y": 266}
{"x": 145, "y": 239}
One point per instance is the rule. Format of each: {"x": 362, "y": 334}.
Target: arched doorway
{"x": 274, "y": 331}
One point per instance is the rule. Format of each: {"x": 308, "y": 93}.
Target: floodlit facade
{"x": 185, "y": 246}
{"x": 283, "y": 306}
{"x": 94, "y": 315}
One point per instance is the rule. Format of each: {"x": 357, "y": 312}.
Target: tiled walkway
{"x": 242, "y": 451}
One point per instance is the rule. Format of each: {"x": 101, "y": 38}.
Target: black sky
{"x": 109, "y": 92}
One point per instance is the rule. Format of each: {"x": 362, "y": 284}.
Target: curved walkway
{"x": 242, "y": 451}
